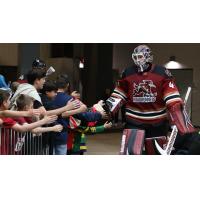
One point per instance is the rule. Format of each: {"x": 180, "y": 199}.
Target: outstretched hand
{"x": 57, "y": 128}
{"x": 104, "y": 115}
{"x": 34, "y": 112}
{"x": 107, "y": 125}
{"x": 73, "y": 104}
{"x": 50, "y": 119}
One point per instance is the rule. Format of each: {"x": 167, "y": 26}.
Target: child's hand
{"x": 57, "y": 128}
{"x": 73, "y": 104}
{"x": 107, "y": 125}
{"x": 42, "y": 111}
{"x": 34, "y": 112}
{"x": 50, "y": 119}
{"x": 101, "y": 102}
{"x": 104, "y": 115}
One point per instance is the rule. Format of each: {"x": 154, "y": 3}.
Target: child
{"x": 79, "y": 142}
{"x": 24, "y": 102}
{"x": 11, "y": 113}
{"x": 61, "y": 99}
{"x": 9, "y": 123}
{"x": 86, "y": 123}
{"x": 47, "y": 95}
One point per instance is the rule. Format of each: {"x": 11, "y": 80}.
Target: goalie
{"x": 152, "y": 102}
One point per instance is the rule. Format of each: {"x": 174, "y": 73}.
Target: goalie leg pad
{"x": 132, "y": 142}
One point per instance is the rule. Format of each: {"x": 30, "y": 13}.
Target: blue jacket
{"x": 86, "y": 117}
{"x": 60, "y": 101}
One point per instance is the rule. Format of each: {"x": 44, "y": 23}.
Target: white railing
{"x": 16, "y": 143}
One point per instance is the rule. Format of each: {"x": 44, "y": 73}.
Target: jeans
{"x": 60, "y": 149}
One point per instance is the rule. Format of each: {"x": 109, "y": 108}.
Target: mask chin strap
{"x": 143, "y": 68}
{"x": 140, "y": 68}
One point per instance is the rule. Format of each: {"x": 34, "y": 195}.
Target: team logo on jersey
{"x": 144, "y": 92}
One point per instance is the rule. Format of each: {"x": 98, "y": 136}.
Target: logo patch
{"x": 144, "y": 92}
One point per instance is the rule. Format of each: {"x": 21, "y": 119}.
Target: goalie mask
{"x": 142, "y": 57}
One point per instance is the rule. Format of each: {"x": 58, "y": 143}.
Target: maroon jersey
{"x": 147, "y": 95}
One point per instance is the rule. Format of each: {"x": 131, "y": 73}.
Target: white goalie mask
{"x": 142, "y": 57}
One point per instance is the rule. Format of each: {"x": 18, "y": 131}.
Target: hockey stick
{"x": 173, "y": 135}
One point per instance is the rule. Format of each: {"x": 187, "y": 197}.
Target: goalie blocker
{"x": 179, "y": 117}
{"x": 113, "y": 104}
{"x": 134, "y": 143}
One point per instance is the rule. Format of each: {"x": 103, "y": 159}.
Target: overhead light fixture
{"x": 81, "y": 63}
{"x": 172, "y": 64}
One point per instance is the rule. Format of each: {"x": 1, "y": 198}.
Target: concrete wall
{"x": 187, "y": 54}
{"x": 27, "y": 53}
{"x": 122, "y": 55}
{"x": 45, "y": 51}
{"x": 61, "y": 65}
{"x": 9, "y": 54}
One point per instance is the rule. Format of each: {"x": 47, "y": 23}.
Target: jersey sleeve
{"x": 89, "y": 116}
{"x": 171, "y": 93}
{"x": 121, "y": 88}
{"x": 94, "y": 129}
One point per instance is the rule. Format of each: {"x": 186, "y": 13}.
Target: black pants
{"x": 154, "y": 130}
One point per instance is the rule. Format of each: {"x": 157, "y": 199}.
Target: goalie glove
{"x": 113, "y": 104}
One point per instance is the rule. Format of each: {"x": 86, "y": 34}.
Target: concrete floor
{"x": 104, "y": 143}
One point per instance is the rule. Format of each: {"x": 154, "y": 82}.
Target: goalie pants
{"x": 155, "y": 130}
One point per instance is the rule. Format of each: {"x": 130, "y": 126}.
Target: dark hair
{"x": 4, "y": 96}
{"x": 23, "y": 100}
{"x": 49, "y": 86}
{"x": 64, "y": 76}
{"x": 36, "y": 73}
{"x": 62, "y": 81}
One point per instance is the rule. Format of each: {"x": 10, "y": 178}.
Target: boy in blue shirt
{"x": 61, "y": 99}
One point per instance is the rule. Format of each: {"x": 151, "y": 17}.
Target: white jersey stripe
{"x": 175, "y": 93}
{"x": 117, "y": 91}
{"x": 146, "y": 118}
{"x": 143, "y": 112}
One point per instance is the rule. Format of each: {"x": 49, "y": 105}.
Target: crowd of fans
{"x": 46, "y": 107}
